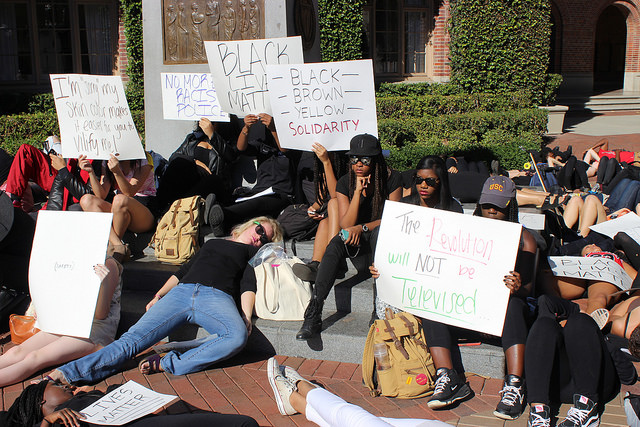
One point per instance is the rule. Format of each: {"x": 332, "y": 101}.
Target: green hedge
{"x": 418, "y": 89}
{"x": 36, "y": 127}
{"x": 341, "y": 29}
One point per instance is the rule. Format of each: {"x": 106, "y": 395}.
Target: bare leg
{"x": 91, "y": 203}
{"x": 515, "y": 360}
{"x": 571, "y": 212}
{"x": 130, "y": 214}
{"x": 441, "y": 357}
{"x": 327, "y": 229}
{"x": 298, "y": 398}
{"x": 19, "y": 352}
{"x": 599, "y": 294}
{"x": 591, "y": 213}
{"x": 570, "y": 288}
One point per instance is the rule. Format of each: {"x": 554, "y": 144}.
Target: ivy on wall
{"x": 500, "y": 45}
{"x": 132, "y": 19}
{"x": 341, "y": 29}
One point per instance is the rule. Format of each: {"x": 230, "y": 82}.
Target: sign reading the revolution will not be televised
{"x": 445, "y": 266}
{"x": 327, "y": 102}
{"x": 238, "y": 68}
{"x": 190, "y": 96}
{"x": 94, "y": 117}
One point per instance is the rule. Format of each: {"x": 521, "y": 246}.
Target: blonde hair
{"x": 275, "y": 226}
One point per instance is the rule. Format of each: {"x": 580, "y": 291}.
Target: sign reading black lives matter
{"x": 94, "y": 117}
{"x": 591, "y": 268}
{"x": 446, "y": 266}
{"x": 238, "y": 68}
{"x": 326, "y": 102}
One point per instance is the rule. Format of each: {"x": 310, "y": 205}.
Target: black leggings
{"x": 514, "y": 332}
{"x": 573, "y": 174}
{"x": 607, "y": 169}
{"x": 560, "y": 362}
{"x": 270, "y": 205}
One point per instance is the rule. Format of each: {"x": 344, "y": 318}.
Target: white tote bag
{"x": 280, "y": 294}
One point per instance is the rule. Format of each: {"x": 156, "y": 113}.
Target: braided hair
{"x": 340, "y": 165}
{"x": 27, "y": 408}
{"x": 379, "y": 174}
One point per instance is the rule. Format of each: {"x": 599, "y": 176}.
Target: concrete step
{"x": 601, "y": 103}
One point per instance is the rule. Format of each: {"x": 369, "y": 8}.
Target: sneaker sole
{"x": 271, "y": 369}
{"x": 506, "y": 416}
{"x": 463, "y": 393}
{"x": 216, "y": 220}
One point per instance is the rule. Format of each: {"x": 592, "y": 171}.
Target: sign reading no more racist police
{"x": 190, "y": 96}
{"x": 238, "y": 68}
{"x": 327, "y": 102}
{"x": 446, "y": 266}
{"x": 94, "y": 117}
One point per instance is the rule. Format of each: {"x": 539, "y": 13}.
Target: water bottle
{"x": 381, "y": 355}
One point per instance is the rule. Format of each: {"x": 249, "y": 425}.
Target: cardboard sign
{"x": 591, "y": 268}
{"x": 629, "y": 223}
{"x": 190, "y": 96}
{"x": 446, "y": 266}
{"x": 94, "y": 117}
{"x": 127, "y": 403}
{"x": 63, "y": 285}
{"x": 327, "y": 102}
{"x": 239, "y": 71}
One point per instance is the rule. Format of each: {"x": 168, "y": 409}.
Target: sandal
{"x": 120, "y": 253}
{"x": 154, "y": 364}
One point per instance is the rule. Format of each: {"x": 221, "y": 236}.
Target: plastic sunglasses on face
{"x": 262, "y": 233}
{"x": 431, "y": 182}
{"x": 365, "y": 160}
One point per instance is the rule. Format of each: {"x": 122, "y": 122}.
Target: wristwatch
{"x": 365, "y": 228}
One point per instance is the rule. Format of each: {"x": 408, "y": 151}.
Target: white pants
{"x": 328, "y": 410}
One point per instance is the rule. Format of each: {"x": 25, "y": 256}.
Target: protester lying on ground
{"x": 599, "y": 293}
{"x": 200, "y": 166}
{"x": 361, "y": 197}
{"x": 16, "y": 238}
{"x": 294, "y": 394}
{"x": 325, "y": 208}
{"x": 44, "y": 349}
{"x": 276, "y": 171}
{"x": 134, "y": 186}
{"x": 215, "y": 290}
{"x": 569, "y": 360}
{"x": 48, "y": 403}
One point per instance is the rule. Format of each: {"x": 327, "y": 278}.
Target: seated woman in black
{"x": 361, "y": 196}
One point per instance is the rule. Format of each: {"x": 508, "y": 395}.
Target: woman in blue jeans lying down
{"x": 215, "y": 290}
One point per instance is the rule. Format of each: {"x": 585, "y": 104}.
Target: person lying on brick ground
{"x": 43, "y": 349}
{"x": 361, "y": 196}
{"x": 569, "y": 360}
{"x": 134, "y": 185}
{"x": 294, "y": 394}
{"x": 215, "y": 290}
{"x": 48, "y": 403}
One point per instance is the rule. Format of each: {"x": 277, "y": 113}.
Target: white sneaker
{"x": 282, "y": 387}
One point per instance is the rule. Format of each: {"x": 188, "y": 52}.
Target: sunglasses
{"x": 264, "y": 239}
{"x": 365, "y": 160}
{"x": 431, "y": 182}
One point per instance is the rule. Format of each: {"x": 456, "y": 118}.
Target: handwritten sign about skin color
{"x": 590, "y": 268}
{"x": 63, "y": 285}
{"x": 239, "y": 71}
{"x": 127, "y": 403}
{"x": 190, "y": 96}
{"x": 445, "y": 266}
{"x": 94, "y": 117}
{"x": 629, "y": 223}
{"x": 327, "y": 102}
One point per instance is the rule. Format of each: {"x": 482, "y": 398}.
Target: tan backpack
{"x": 410, "y": 370}
{"x": 176, "y": 238}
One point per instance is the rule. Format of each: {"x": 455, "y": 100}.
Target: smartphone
{"x": 344, "y": 235}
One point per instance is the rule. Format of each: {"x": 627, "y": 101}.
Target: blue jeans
{"x": 205, "y": 306}
{"x": 626, "y": 194}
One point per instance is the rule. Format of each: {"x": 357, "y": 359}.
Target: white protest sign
{"x": 62, "y": 283}
{"x": 94, "y": 117}
{"x": 190, "y": 96}
{"x": 238, "y": 68}
{"x": 327, "y": 102}
{"x": 445, "y": 266}
{"x": 590, "y": 268}
{"x": 127, "y": 403}
{"x": 629, "y": 223}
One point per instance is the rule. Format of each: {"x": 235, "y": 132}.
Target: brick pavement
{"x": 241, "y": 386}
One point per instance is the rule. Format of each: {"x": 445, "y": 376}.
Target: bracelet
{"x": 245, "y": 132}
{"x": 159, "y": 296}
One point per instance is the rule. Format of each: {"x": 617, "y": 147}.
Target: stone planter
{"x": 555, "y": 122}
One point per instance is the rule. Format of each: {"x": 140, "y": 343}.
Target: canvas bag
{"x": 412, "y": 370}
{"x": 177, "y": 238}
{"x": 280, "y": 294}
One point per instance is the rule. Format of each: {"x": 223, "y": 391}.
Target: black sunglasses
{"x": 366, "y": 160}
{"x": 262, "y": 233}
{"x": 431, "y": 182}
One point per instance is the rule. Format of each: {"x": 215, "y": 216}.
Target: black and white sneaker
{"x": 539, "y": 416}
{"x": 511, "y": 402}
{"x": 583, "y": 413}
{"x": 448, "y": 389}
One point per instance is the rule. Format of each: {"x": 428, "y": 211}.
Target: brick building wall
{"x": 122, "y": 59}
{"x": 440, "y": 42}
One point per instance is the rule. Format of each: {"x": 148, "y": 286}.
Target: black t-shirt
{"x": 221, "y": 264}
{"x": 365, "y": 213}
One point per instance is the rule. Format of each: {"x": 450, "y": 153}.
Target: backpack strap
{"x": 395, "y": 339}
{"x": 175, "y": 212}
{"x": 368, "y": 363}
{"x": 407, "y": 323}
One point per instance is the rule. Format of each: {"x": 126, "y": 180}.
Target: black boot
{"x": 312, "y": 324}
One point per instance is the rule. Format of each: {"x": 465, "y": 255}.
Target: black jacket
{"x": 69, "y": 181}
{"x": 222, "y": 154}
